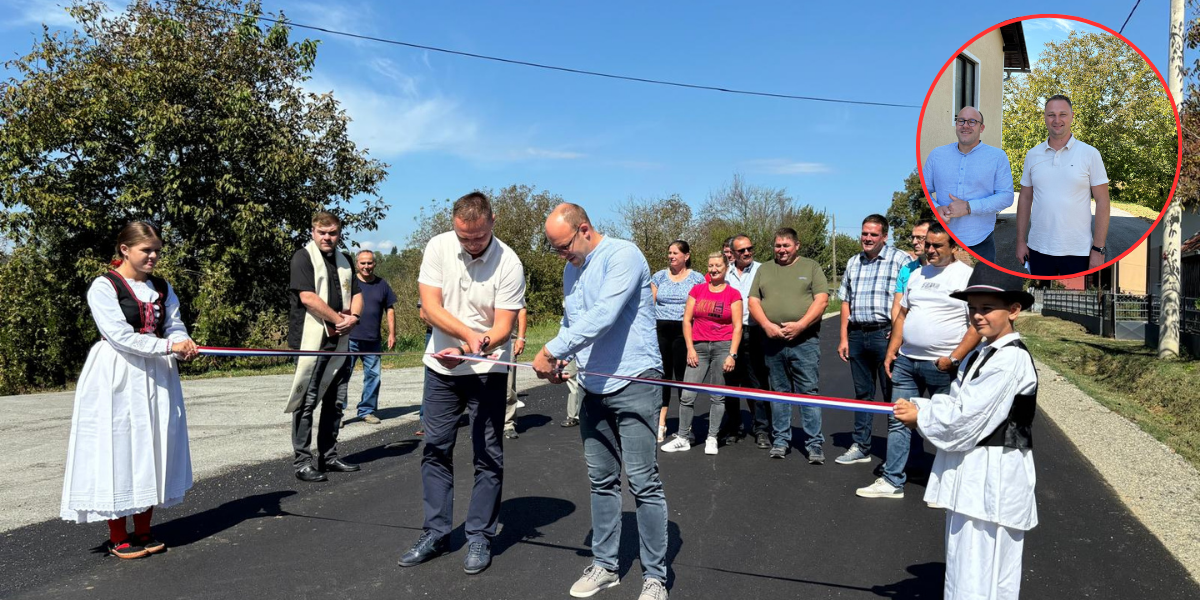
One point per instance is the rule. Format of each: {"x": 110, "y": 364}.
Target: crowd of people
{"x": 932, "y": 334}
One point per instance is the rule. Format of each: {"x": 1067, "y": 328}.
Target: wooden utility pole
{"x": 1169, "y": 321}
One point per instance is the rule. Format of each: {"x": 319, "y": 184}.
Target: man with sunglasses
{"x": 970, "y": 182}
{"x": 751, "y": 369}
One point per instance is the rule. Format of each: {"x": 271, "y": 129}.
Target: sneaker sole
{"x": 852, "y": 462}
{"x": 413, "y": 564}
{"x": 575, "y": 594}
{"x": 862, "y": 494}
{"x": 476, "y": 571}
{"x": 816, "y": 461}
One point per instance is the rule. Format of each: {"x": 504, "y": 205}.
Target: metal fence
{"x": 1130, "y": 307}
{"x": 1077, "y": 303}
{"x": 1189, "y": 309}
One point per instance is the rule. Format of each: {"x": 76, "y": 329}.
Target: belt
{"x": 868, "y": 326}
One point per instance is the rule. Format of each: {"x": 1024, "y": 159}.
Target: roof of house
{"x": 1191, "y": 245}
{"x": 1016, "y": 57}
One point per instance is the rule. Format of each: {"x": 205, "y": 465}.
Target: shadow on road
{"x": 197, "y": 526}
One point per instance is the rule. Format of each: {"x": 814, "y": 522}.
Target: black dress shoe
{"x": 337, "y": 465}
{"x": 310, "y": 475}
{"x": 479, "y": 557}
{"x": 426, "y": 549}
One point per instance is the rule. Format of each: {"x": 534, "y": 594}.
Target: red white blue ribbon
{"x": 883, "y": 408}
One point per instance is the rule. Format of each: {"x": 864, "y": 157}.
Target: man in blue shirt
{"x": 378, "y": 299}
{"x": 971, "y": 182}
{"x": 608, "y": 327}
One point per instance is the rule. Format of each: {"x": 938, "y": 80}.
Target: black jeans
{"x": 673, "y": 349}
{"x": 1047, "y": 265}
{"x": 332, "y": 405}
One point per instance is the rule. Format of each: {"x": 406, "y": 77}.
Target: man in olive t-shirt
{"x": 787, "y": 300}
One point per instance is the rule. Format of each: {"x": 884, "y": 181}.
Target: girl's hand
{"x": 729, "y": 365}
{"x": 693, "y": 360}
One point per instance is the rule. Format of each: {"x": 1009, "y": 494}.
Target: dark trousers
{"x": 987, "y": 248}
{"x": 445, "y": 398}
{"x": 332, "y": 404}
{"x": 1047, "y": 265}
{"x": 751, "y": 372}
{"x": 674, "y": 355}
{"x": 867, "y": 351}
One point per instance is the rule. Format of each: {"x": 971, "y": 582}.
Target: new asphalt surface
{"x": 740, "y": 525}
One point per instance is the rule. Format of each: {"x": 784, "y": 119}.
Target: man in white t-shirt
{"x": 472, "y": 286}
{"x": 1056, "y": 233}
{"x": 930, "y": 337}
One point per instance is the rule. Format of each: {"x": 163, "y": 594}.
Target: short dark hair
{"x": 728, "y": 242}
{"x": 925, "y": 222}
{"x": 937, "y": 228}
{"x": 472, "y": 207}
{"x": 789, "y": 233}
{"x": 1062, "y": 97}
{"x": 685, "y": 248}
{"x": 878, "y": 220}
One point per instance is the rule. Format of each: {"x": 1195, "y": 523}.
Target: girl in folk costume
{"x": 129, "y": 447}
{"x": 983, "y": 473}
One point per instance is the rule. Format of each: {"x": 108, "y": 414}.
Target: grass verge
{"x": 1136, "y": 210}
{"x": 1128, "y": 378}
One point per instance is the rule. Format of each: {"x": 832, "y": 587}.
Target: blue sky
{"x": 449, "y": 124}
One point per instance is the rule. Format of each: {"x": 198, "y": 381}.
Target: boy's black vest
{"x": 1016, "y": 430}
{"x": 141, "y": 315}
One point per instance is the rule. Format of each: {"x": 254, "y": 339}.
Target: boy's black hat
{"x": 986, "y": 280}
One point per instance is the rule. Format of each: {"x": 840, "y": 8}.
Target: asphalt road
{"x": 740, "y": 525}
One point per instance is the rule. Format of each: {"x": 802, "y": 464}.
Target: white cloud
{"x": 1064, "y": 25}
{"x": 782, "y": 166}
{"x": 52, "y": 13}
{"x": 383, "y": 246}
{"x": 553, "y": 154}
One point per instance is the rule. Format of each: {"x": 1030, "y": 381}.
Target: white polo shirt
{"x": 472, "y": 290}
{"x": 1062, "y": 180}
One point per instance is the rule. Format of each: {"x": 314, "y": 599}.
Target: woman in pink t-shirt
{"x": 712, "y": 330}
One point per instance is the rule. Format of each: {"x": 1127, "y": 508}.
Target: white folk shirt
{"x": 989, "y": 483}
{"x": 1062, "y": 180}
{"x": 935, "y": 323}
{"x": 472, "y": 290}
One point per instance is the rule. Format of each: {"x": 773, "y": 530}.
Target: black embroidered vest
{"x": 141, "y": 315}
{"x": 1017, "y": 430}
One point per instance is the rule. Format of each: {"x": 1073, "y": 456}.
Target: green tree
{"x": 653, "y": 224}
{"x": 909, "y": 205}
{"x": 1120, "y": 108}
{"x": 186, "y": 115}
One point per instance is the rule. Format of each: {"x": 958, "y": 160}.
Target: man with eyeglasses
{"x": 918, "y": 241}
{"x": 1061, "y": 177}
{"x": 608, "y": 326}
{"x": 750, "y": 370}
{"x": 970, "y": 182}
{"x": 472, "y": 287}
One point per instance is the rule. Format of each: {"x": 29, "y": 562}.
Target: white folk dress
{"x": 129, "y": 446}
{"x": 988, "y": 490}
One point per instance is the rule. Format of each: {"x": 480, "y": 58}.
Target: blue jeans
{"x": 794, "y": 369}
{"x": 370, "y": 391}
{"x": 910, "y": 379}
{"x": 620, "y": 429}
{"x": 446, "y": 397}
{"x": 867, "y": 351}
{"x": 987, "y": 248}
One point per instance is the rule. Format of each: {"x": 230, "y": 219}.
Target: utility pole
{"x": 833, "y": 245}
{"x": 1169, "y": 321}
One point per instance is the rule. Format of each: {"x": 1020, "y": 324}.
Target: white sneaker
{"x": 710, "y": 445}
{"x": 677, "y": 444}
{"x": 595, "y": 578}
{"x": 653, "y": 589}
{"x": 880, "y": 489}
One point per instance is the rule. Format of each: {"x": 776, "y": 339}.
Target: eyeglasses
{"x": 971, "y": 122}
{"x": 566, "y": 247}
{"x": 746, "y": 250}
{"x": 918, "y": 238}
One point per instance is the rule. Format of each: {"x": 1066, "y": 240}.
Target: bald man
{"x": 608, "y": 327}
{"x": 970, "y": 182}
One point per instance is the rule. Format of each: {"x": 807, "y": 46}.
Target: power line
{"x": 557, "y": 68}
{"x": 1122, "y": 30}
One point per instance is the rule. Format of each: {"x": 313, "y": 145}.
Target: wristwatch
{"x": 1098, "y": 249}
{"x": 955, "y": 362}
{"x": 733, "y": 355}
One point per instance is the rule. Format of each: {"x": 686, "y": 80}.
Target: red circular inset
{"x": 1178, "y": 151}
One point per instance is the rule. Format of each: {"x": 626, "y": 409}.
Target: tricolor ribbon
{"x": 882, "y": 408}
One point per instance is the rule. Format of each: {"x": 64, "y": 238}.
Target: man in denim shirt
{"x": 971, "y": 182}
{"x": 608, "y": 326}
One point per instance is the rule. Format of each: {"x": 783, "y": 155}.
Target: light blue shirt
{"x": 608, "y": 325}
{"x": 905, "y": 271}
{"x": 742, "y": 282}
{"x": 981, "y": 177}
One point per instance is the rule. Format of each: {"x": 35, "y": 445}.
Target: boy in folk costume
{"x": 983, "y": 473}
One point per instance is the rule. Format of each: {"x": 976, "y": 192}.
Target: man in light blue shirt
{"x": 971, "y": 182}
{"x": 608, "y": 326}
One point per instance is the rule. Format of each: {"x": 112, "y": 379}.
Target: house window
{"x": 966, "y": 83}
